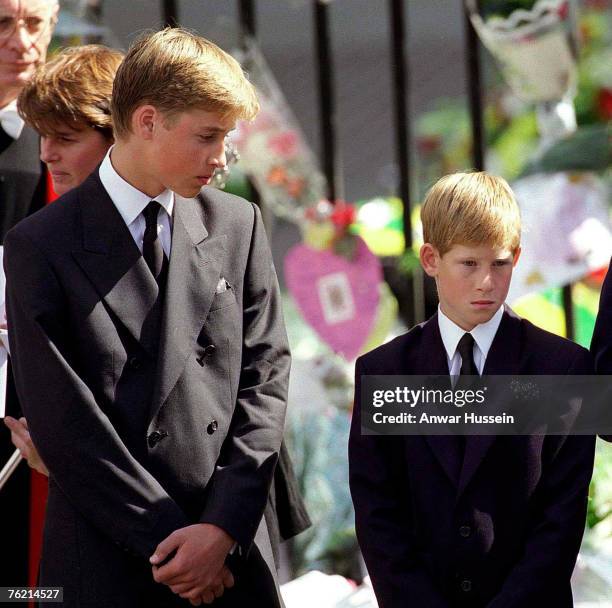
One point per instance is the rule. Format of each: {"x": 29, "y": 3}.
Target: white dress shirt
{"x": 483, "y": 335}
{"x": 10, "y": 120}
{"x": 131, "y": 202}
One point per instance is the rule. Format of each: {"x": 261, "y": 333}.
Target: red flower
{"x": 295, "y": 186}
{"x": 343, "y": 214}
{"x": 277, "y": 176}
{"x": 428, "y": 144}
{"x": 604, "y": 104}
{"x": 310, "y": 214}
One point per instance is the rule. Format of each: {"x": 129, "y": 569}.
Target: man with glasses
{"x": 26, "y": 27}
{"x": 25, "y": 31}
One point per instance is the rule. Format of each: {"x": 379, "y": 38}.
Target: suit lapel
{"x": 503, "y": 359}
{"x": 5, "y": 140}
{"x": 446, "y": 448}
{"x": 113, "y": 263}
{"x": 195, "y": 266}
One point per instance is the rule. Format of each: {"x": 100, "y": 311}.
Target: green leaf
{"x": 589, "y": 149}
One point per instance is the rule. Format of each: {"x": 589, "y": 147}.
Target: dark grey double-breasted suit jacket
{"x": 146, "y": 430}
{"x": 500, "y": 526}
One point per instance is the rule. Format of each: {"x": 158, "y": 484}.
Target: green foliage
{"x": 408, "y": 262}
{"x": 503, "y": 8}
{"x": 589, "y": 149}
{"x": 600, "y": 492}
{"x": 516, "y": 143}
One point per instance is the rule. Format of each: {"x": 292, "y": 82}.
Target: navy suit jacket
{"x": 502, "y": 530}
{"x": 601, "y": 345}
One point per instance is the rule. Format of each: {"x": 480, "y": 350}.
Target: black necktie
{"x": 468, "y": 368}
{"x": 152, "y": 250}
{"x": 466, "y": 349}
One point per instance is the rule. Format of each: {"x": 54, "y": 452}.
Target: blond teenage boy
{"x": 446, "y": 521}
{"x": 150, "y": 352}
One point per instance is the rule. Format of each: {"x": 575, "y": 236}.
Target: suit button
{"x": 465, "y": 531}
{"x": 155, "y": 437}
{"x": 212, "y": 427}
{"x": 208, "y": 351}
{"x": 466, "y": 585}
{"x": 134, "y": 363}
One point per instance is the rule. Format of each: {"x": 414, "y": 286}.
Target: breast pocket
{"x": 223, "y": 299}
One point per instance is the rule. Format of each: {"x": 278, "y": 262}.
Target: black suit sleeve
{"x": 238, "y": 490}
{"x": 601, "y": 345}
{"x": 383, "y": 520}
{"x": 82, "y": 450}
{"x": 558, "y": 517}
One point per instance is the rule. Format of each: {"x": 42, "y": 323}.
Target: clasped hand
{"x": 197, "y": 572}
{"x": 20, "y": 436}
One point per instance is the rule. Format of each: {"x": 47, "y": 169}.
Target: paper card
{"x": 336, "y": 298}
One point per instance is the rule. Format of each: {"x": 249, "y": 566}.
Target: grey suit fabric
{"x": 22, "y": 191}
{"x": 149, "y": 415}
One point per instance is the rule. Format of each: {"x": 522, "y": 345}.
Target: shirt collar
{"x": 483, "y": 334}
{"x": 11, "y": 122}
{"x": 130, "y": 201}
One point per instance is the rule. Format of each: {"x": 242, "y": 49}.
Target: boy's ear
{"x": 517, "y": 255}
{"x": 430, "y": 258}
{"x": 143, "y": 121}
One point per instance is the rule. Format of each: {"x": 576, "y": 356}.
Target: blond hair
{"x": 174, "y": 71}
{"x": 73, "y": 89}
{"x": 471, "y": 209}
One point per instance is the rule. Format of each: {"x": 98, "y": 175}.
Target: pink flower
{"x": 283, "y": 144}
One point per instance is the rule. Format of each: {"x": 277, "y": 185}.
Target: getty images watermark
{"x": 486, "y": 405}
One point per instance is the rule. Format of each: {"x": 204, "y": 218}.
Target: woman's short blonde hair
{"x": 174, "y": 71}
{"x": 73, "y": 89}
{"x": 471, "y": 209}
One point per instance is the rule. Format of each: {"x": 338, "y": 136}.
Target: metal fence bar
{"x": 474, "y": 92}
{"x": 568, "y": 310}
{"x": 478, "y": 138}
{"x": 399, "y": 69}
{"x": 248, "y": 22}
{"x": 247, "y": 26}
{"x": 400, "y": 76}
{"x": 170, "y": 13}
{"x": 327, "y": 100}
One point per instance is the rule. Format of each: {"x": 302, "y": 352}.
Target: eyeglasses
{"x": 34, "y": 25}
